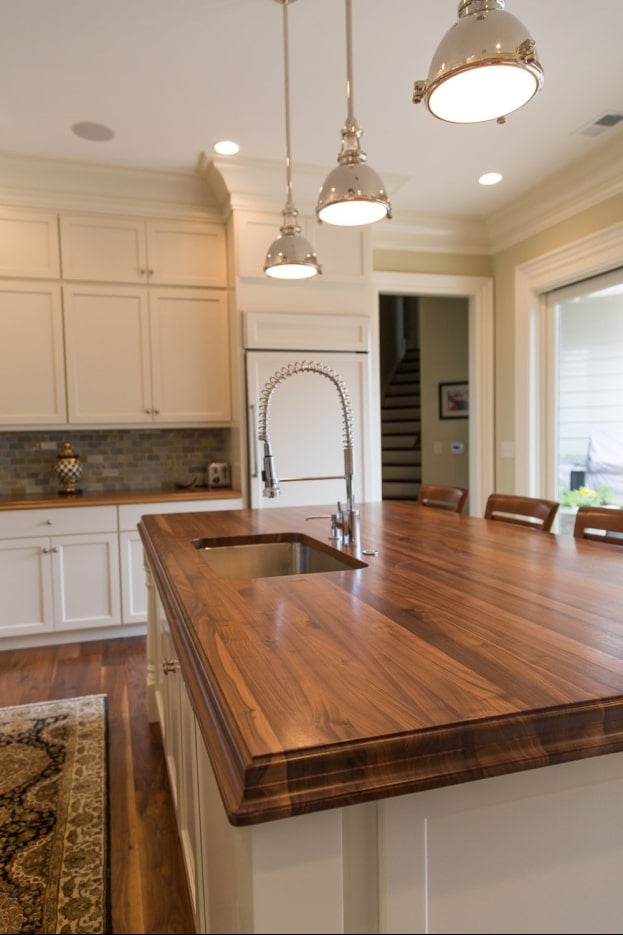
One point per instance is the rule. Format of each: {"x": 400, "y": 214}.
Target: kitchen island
{"x": 427, "y": 743}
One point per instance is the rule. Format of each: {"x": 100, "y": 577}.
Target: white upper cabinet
{"x": 107, "y": 248}
{"x": 29, "y": 243}
{"x": 32, "y": 373}
{"x": 136, "y": 355}
{"x": 189, "y": 331}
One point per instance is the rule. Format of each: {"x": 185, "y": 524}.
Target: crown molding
{"x": 219, "y": 185}
{"x": 432, "y": 233}
{"x": 63, "y": 184}
{"x": 574, "y": 188}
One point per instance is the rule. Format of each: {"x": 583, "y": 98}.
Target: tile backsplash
{"x": 111, "y": 459}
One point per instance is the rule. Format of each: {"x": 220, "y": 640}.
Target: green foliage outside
{"x": 585, "y": 496}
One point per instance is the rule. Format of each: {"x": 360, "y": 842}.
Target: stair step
{"x": 394, "y": 490}
{"x": 407, "y": 377}
{"x": 410, "y": 414}
{"x": 409, "y": 473}
{"x": 400, "y": 427}
{"x": 402, "y": 456}
{"x": 398, "y": 400}
{"x": 398, "y": 441}
{"x": 402, "y": 389}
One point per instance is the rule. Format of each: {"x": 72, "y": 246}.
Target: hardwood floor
{"x": 148, "y": 883}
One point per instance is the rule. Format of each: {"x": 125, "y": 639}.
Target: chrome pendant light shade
{"x": 290, "y": 256}
{"x": 484, "y": 68}
{"x": 352, "y": 194}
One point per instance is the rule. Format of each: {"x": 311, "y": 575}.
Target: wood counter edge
{"x": 117, "y": 497}
{"x": 260, "y": 789}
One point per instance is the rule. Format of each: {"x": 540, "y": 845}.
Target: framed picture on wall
{"x": 453, "y": 400}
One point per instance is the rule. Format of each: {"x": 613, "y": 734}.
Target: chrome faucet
{"x": 344, "y": 523}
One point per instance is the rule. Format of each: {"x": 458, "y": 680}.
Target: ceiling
{"x": 170, "y": 77}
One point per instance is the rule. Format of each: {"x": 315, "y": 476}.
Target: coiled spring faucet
{"x": 345, "y": 523}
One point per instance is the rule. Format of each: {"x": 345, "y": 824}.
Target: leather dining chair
{"x": 443, "y": 497}
{"x": 530, "y": 512}
{"x": 599, "y": 523}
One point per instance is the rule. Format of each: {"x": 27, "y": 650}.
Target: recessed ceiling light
{"x": 490, "y": 178}
{"x": 96, "y": 132}
{"x": 226, "y": 148}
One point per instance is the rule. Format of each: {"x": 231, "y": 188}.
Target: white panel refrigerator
{"x": 306, "y": 424}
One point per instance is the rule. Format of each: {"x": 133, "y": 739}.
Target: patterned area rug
{"x": 54, "y": 847}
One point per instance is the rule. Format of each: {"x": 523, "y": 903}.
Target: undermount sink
{"x": 270, "y": 556}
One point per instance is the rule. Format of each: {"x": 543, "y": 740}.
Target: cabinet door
{"x": 103, "y": 248}
{"x": 25, "y": 587}
{"x": 107, "y": 341}
{"x": 190, "y": 356}
{"x": 29, "y": 243}
{"x": 133, "y": 590}
{"x": 32, "y": 374}
{"x": 186, "y": 253}
{"x": 86, "y": 581}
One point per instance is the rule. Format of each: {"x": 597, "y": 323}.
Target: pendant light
{"x": 352, "y": 194}
{"x": 290, "y": 256}
{"x": 484, "y": 68}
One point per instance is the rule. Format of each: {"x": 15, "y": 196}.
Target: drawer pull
{"x": 170, "y": 665}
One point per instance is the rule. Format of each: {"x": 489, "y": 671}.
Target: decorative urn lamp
{"x": 68, "y": 470}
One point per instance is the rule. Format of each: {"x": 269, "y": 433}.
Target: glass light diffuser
{"x": 484, "y": 68}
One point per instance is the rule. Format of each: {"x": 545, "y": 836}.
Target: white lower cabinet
{"x": 70, "y": 569}
{"x": 66, "y": 579}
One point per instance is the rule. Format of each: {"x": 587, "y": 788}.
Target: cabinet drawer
{"x": 58, "y": 522}
{"x": 130, "y": 514}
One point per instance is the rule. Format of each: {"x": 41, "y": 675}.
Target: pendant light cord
{"x": 286, "y": 65}
{"x": 350, "y": 115}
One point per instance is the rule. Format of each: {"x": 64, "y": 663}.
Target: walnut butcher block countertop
{"x": 108, "y": 497}
{"x": 465, "y": 649}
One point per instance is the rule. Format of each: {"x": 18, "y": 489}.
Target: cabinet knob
{"x": 45, "y": 551}
{"x": 156, "y": 412}
{"x": 142, "y": 272}
{"x": 150, "y": 272}
{"x": 48, "y": 522}
{"x": 54, "y": 549}
{"x": 170, "y": 665}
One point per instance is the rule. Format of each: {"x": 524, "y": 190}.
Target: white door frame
{"x": 478, "y": 290}
{"x": 535, "y": 350}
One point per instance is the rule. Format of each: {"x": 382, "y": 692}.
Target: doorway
{"x": 424, "y": 355}
{"x": 478, "y": 293}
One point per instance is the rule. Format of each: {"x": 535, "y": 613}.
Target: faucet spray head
{"x": 269, "y": 474}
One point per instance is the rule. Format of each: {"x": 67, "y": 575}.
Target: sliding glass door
{"x": 587, "y": 398}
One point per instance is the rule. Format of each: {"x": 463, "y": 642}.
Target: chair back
{"x": 530, "y": 512}
{"x": 443, "y": 497}
{"x": 599, "y": 523}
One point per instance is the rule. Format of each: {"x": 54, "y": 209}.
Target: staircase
{"x": 400, "y": 431}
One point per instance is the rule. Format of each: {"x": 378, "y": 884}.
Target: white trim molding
{"x": 478, "y": 290}
{"x": 534, "y": 350}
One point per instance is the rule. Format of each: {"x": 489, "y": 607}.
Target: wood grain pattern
{"x": 149, "y": 892}
{"x": 464, "y": 649}
{"x": 102, "y": 498}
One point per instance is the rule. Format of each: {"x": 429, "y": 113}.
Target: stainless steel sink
{"x": 270, "y": 556}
